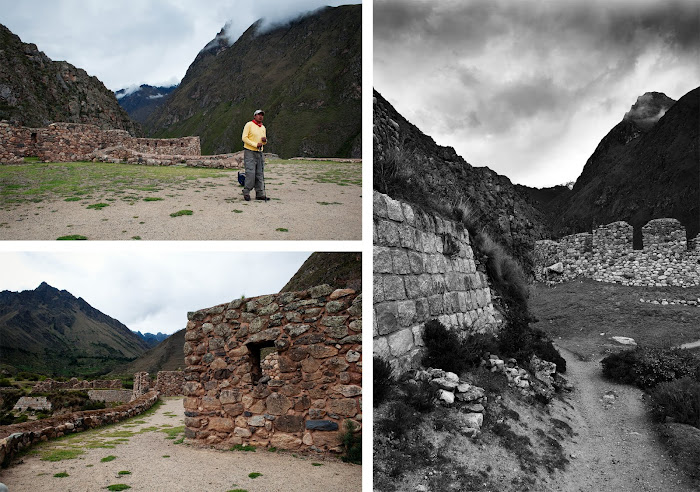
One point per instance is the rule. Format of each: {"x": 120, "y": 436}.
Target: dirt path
{"x": 616, "y": 448}
{"x": 141, "y": 447}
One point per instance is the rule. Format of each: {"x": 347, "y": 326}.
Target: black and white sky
{"x": 150, "y": 290}
{"x": 127, "y": 43}
{"x": 529, "y": 88}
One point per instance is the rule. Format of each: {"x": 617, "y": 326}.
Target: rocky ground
{"x": 151, "y": 450}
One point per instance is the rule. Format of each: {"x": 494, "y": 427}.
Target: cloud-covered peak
{"x": 649, "y": 109}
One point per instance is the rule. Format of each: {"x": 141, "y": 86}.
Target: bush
{"x": 443, "y": 348}
{"x": 519, "y": 341}
{"x": 399, "y": 419}
{"x": 5, "y": 383}
{"x": 383, "y": 380}
{"x": 93, "y": 405}
{"x": 678, "y": 400}
{"x": 352, "y": 444}
{"x": 648, "y": 367}
{"x": 421, "y": 395}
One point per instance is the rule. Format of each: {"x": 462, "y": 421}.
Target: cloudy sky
{"x": 529, "y": 88}
{"x": 133, "y": 42}
{"x": 152, "y": 291}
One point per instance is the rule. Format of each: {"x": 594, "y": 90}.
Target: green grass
{"x": 181, "y": 212}
{"x": 72, "y": 237}
{"x": 329, "y": 203}
{"x": 61, "y": 475}
{"x": 152, "y": 199}
{"x": 107, "y": 459}
{"x": 166, "y": 456}
{"x": 117, "y": 486}
{"x": 254, "y": 475}
{"x": 237, "y": 211}
{"x": 237, "y": 490}
{"x": 136, "y": 238}
{"x": 316, "y": 464}
{"x": 282, "y": 229}
{"x": 61, "y": 454}
{"x": 272, "y": 449}
{"x": 173, "y": 432}
{"x": 73, "y": 199}
{"x": 98, "y": 206}
{"x": 240, "y": 447}
{"x": 124, "y": 472}
{"x": 576, "y": 313}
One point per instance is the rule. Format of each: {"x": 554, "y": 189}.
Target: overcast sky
{"x": 529, "y": 88}
{"x": 132, "y": 42}
{"x": 152, "y": 291}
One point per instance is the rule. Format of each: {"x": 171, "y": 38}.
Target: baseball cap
{"x": 259, "y": 111}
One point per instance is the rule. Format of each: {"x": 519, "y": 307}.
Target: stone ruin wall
{"x": 68, "y": 142}
{"x": 167, "y": 383}
{"x": 75, "y": 384}
{"x": 18, "y": 437}
{"x": 297, "y": 399}
{"x": 111, "y": 396}
{"x": 424, "y": 268}
{"x": 607, "y": 255}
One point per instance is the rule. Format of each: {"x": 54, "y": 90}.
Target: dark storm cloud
{"x": 543, "y": 79}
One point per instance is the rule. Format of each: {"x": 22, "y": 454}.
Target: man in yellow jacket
{"x": 254, "y": 139}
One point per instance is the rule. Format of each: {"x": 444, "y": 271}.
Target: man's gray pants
{"x": 254, "y": 169}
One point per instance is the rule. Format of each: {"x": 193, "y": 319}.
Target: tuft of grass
{"x": 181, "y": 212}
{"x": 272, "y": 449}
{"x": 235, "y": 211}
{"x": 73, "y": 199}
{"x": 98, "y": 206}
{"x": 61, "y": 475}
{"x": 166, "y": 456}
{"x": 254, "y": 475}
{"x": 237, "y": 490}
{"x": 72, "y": 237}
{"x": 118, "y": 486}
{"x": 240, "y": 447}
{"x": 282, "y": 229}
{"x": 61, "y": 454}
{"x": 316, "y": 464}
{"x": 109, "y": 458}
{"x": 136, "y": 238}
{"x": 152, "y": 199}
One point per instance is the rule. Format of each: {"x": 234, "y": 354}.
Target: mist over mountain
{"x": 51, "y": 331}
{"x": 152, "y": 339}
{"x": 36, "y": 91}
{"x": 305, "y": 74}
{"x": 647, "y": 167}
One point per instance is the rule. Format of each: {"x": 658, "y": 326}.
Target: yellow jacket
{"x": 252, "y": 134}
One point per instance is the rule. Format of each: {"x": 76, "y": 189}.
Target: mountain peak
{"x": 649, "y": 109}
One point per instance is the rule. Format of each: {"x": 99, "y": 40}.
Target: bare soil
{"x": 617, "y": 447}
{"x": 158, "y": 463}
{"x": 308, "y": 201}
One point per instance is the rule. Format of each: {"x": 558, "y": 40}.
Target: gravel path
{"x": 616, "y": 448}
{"x": 185, "y": 469}
{"x": 301, "y": 208}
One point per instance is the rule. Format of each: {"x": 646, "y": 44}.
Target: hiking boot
{"x": 264, "y": 198}
{"x": 246, "y": 198}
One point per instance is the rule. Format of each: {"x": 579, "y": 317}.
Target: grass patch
{"x": 329, "y": 203}
{"x": 61, "y": 475}
{"x": 107, "y": 459}
{"x": 254, "y": 475}
{"x": 72, "y": 237}
{"x": 173, "y": 432}
{"x": 316, "y": 464}
{"x": 181, "y": 212}
{"x": 61, "y": 454}
{"x": 152, "y": 199}
{"x": 73, "y": 199}
{"x": 98, "y": 206}
{"x": 118, "y": 486}
{"x": 166, "y": 456}
{"x": 124, "y": 472}
{"x": 240, "y": 447}
{"x": 237, "y": 211}
{"x": 282, "y": 229}
{"x": 136, "y": 238}
{"x": 272, "y": 449}
{"x": 179, "y": 441}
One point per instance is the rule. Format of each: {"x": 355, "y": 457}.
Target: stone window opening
{"x": 637, "y": 238}
{"x": 34, "y": 138}
{"x": 182, "y": 144}
{"x": 263, "y": 361}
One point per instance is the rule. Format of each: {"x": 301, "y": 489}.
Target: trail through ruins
{"x": 158, "y": 463}
{"x": 616, "y": 447}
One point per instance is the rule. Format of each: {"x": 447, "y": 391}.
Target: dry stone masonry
{"x": 238, "y": 393}
{"x": 424, "y": 268}
{"x": 167, "y": 383}
{"x": 607, "y": 255}
{"x": 16, "y": 437}
{"x": 75, "y": 384}
{"x": 32, "y": 403}
{"x": 111, "y": 396}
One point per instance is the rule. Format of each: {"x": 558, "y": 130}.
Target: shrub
{"x": 476, "y": 345}
{"x": 93, "y": 405}
{"x": 678, "y": 400}
{"x": 647, "y": 367}
{"x": 421, "y": 395}
{"x": 383, "y": 380}
{"x": 4, "y": 382}
{"x": 399, "y": 419}
{"x": 442, "y": 348}
{"x": 519, "y": 341}
{"x": 351, "y": 443}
